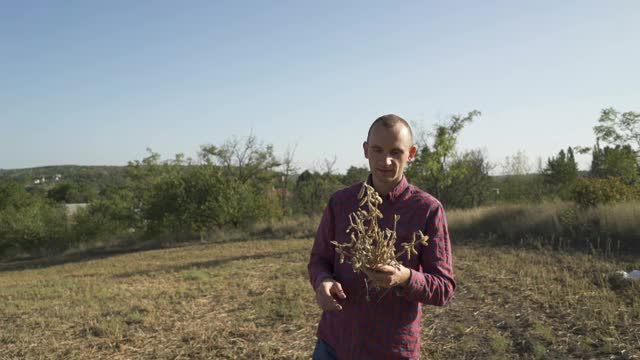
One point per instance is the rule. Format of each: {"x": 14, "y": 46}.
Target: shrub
{"x": 589, "y": 192}
{"x": 34, "y": 227}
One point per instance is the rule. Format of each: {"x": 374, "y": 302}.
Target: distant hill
{"x": 98, "y": 176}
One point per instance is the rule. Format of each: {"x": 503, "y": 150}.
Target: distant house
{"x": 72, "y": 209}
{"x": 43, "y": 179}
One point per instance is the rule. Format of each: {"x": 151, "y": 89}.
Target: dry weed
{"x": 371, "y": 247}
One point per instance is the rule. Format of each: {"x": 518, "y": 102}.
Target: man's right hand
{"x": 326, "y": 294}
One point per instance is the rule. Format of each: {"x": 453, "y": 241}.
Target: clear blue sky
{"x": 93, "y": 83}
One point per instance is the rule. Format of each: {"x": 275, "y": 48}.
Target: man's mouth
{"x": 386, "y": 172}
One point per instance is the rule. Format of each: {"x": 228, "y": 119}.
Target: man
{"x": 381, "y": 320}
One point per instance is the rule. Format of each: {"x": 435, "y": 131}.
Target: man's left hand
{"x": 387, "y": 276}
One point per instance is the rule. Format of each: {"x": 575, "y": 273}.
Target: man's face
{"x": 388, "y": 150}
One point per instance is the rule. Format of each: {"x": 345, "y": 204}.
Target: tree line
{"x": 232, "y": 185}
{"x": 463, "y": 180}
{"x": 242, "y": 181}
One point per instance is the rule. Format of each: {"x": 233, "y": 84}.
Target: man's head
{"x": 389, "y": 147}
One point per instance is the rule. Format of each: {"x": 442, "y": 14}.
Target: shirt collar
{"x": 396, "y": 191}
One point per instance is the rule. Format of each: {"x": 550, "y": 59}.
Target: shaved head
{"x": 389, "y": 121}
{"x": 389, "y": 148}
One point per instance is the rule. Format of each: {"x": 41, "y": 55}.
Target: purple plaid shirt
{"x": 388, "y": 325}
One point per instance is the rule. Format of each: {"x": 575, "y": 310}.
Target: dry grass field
{"x": 252, "y": 300}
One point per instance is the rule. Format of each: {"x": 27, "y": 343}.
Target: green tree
{"x": 231, "y": 185}
{"x": 312, "y": 191}
{"x": 111, "y": 214}
{"x": 248, "y": 169}
{"x": 470, "y": 182}
{"x": 561, "y": 171}
{"x": 355, "y": 174}
{"x": 12, "y": 194}
{"x": 243, "y": 160}
{"x": 29, "y": 223}
{"x": 142, "y": 182}
{"x": 72, "y": 193}
{"x": 432, "y": 169}
{"x": 617, "y": 128}
{"x": 619, "y": 162}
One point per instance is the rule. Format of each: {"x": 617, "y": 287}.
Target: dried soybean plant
{"x": 371, "y": 247}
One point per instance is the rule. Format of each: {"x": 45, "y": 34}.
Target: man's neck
{"x": 384, "y": 189}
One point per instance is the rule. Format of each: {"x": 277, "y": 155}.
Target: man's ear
{"x": 412, "y": 152}
{"x": 365, "y": 147}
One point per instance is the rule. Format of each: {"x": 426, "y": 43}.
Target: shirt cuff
{"x": 412, "y": 285}
{"x": 322, "y": 276}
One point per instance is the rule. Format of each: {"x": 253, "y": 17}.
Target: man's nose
{"x": 387, "y": 160}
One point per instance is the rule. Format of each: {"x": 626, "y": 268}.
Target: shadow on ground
{"x": 203, "y": 264}
{"x": 34, "y": 262}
